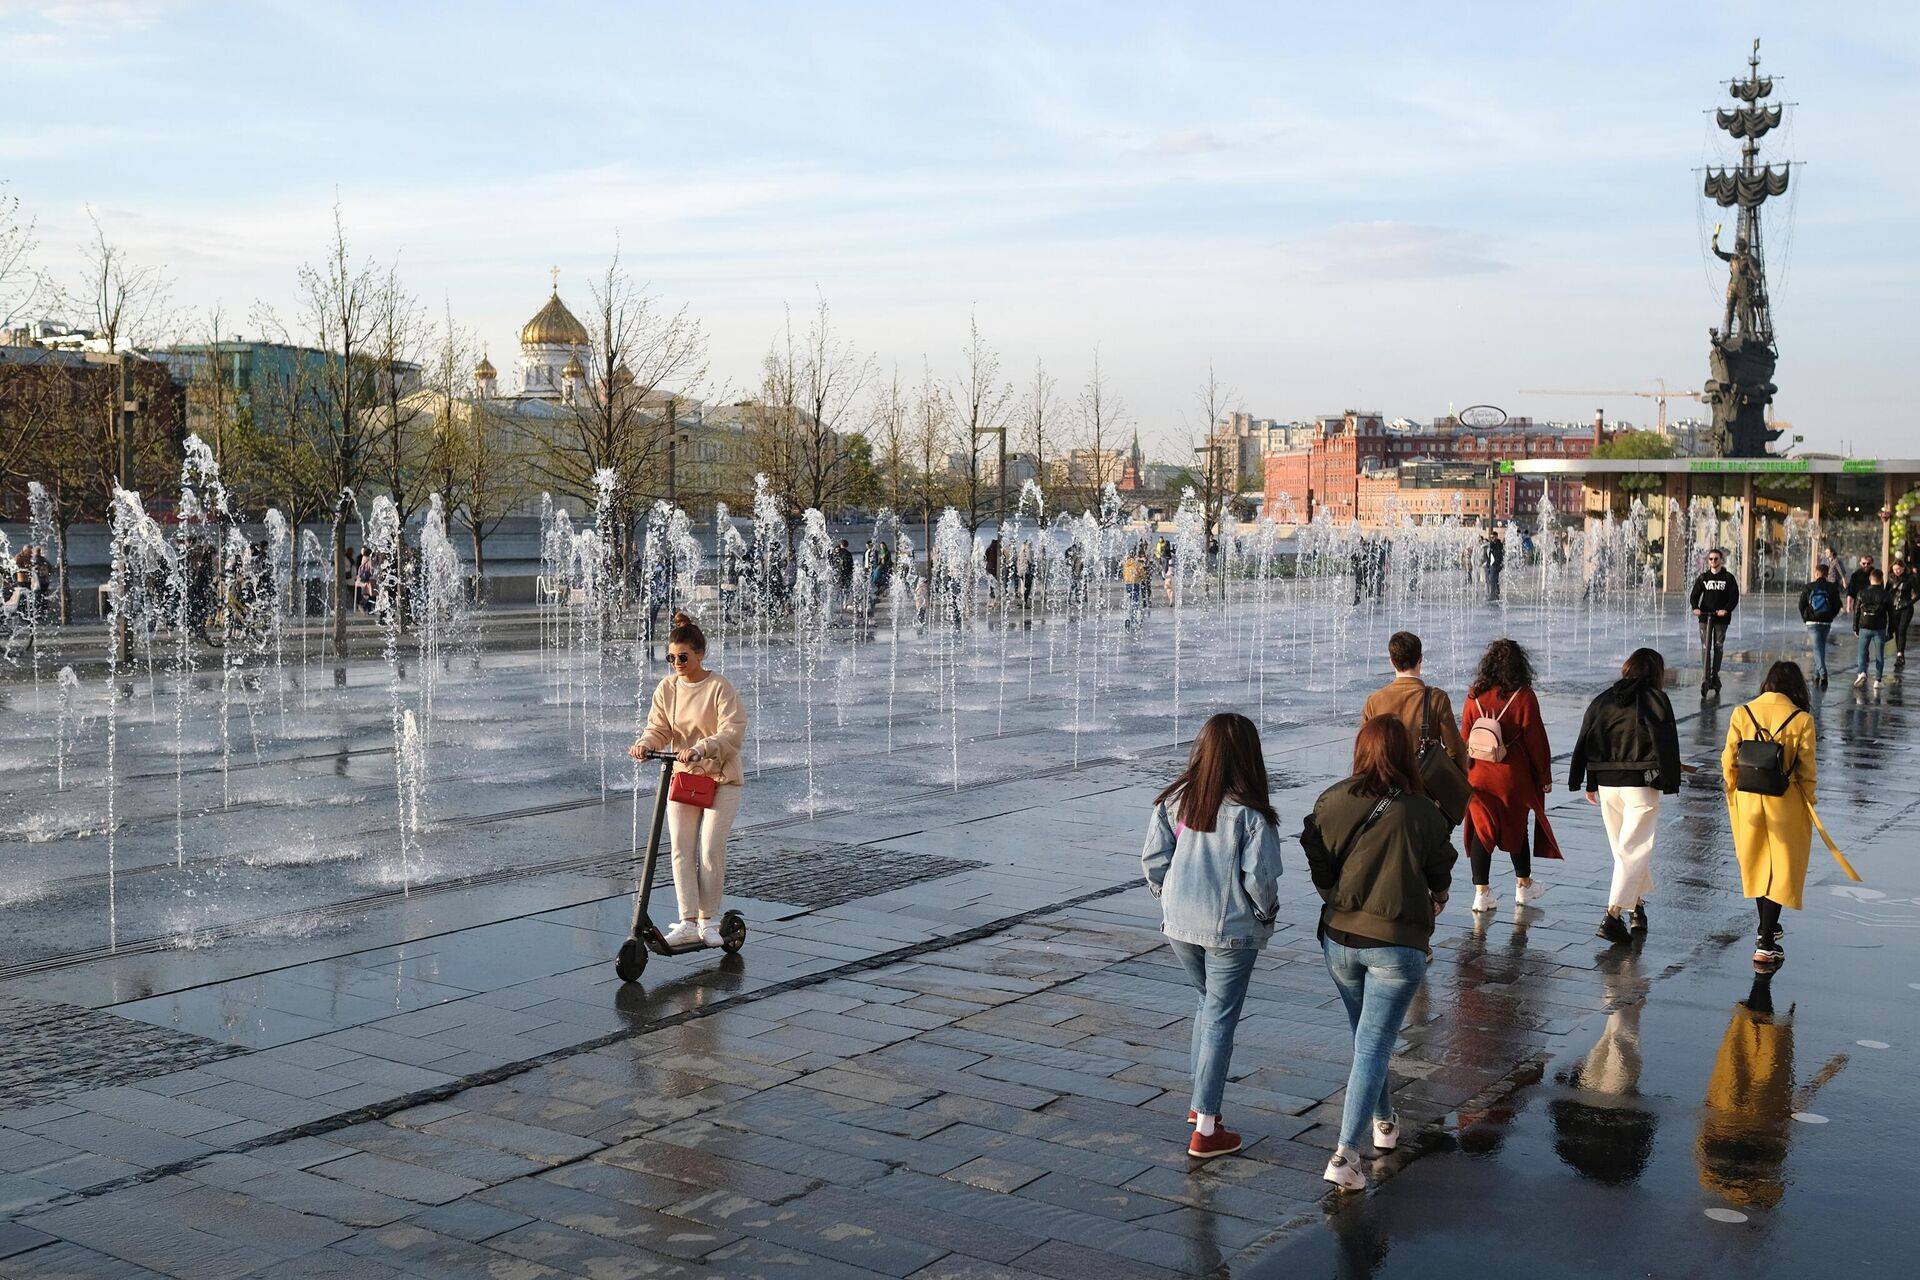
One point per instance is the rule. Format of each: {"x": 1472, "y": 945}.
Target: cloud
{"x": 1390, "y": 250}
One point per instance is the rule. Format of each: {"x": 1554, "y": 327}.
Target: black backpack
{"x": 1760, "y": 765}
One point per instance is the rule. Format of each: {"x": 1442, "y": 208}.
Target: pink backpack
{"x": 1486, "y": 740}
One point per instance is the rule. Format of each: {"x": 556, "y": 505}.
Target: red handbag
{"x": 695, "y": 789}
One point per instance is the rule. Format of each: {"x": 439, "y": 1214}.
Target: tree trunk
{"x": 341, "y": 595}
{"x": 60, "y": 545}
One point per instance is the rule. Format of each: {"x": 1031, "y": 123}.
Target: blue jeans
{"x": 1220, "y": 975}
{"x": 1820, "y": 631}
{"x": 1874, "y": 643}
{"x": 1376, "y": 984}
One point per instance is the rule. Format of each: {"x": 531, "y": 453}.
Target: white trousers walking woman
{"x": 1632, "y": 817}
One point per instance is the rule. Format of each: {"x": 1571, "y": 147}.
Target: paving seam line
{"x": 506, "y": 1071}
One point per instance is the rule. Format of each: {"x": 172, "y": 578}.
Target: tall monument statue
{"x": 1741, "y": 355}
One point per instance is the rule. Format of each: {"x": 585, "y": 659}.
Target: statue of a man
{"x": 1741, "y": 290}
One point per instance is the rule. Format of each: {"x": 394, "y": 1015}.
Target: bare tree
{"x": 401, "y": 440}
{"x": 890, "y": 430}
{"x": 1212, "y": 471}
{"x": 980, "y": 407}
{"x": 930, "y": 433}
{"x": 21, "y": 282}
{"x": 1040, "y": 412}
{"x": 1101, "y": 417}
{"x": 469, "y": 461}
{"x": 809, "y": 387}
{"x": 636, "y": 350}
{"x": 127, "y": 304}
{"x": 339, "y": 311}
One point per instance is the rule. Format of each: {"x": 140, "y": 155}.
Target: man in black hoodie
{"x": 1715, "y": 595}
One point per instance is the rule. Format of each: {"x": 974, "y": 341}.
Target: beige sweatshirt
{"x": 707, "y": 715}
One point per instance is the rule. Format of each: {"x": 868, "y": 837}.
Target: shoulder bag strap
{"x": 1510, "y": 698}
{"x": 1353, "y": 837}
{"x": 1426, "y": 715}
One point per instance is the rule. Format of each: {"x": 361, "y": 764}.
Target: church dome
{"x": 573, "y": 369}
{"x": 484, "y": 369}
{"x": 553, "y": 326}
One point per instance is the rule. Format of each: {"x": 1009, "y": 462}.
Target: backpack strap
{"x": 1510, "y": 698}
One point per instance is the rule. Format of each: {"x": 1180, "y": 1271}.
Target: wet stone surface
{"x": 954, "y": 1046}
{"x": 49, "y": 1051}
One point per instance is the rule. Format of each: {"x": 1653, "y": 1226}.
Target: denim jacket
{"x": 1218, "y": 888}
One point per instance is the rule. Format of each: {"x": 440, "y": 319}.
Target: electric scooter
{"x": 632, "y": 960}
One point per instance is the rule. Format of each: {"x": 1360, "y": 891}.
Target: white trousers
{"x": 1632, "y": 815}
{"x": 700, "y": 851}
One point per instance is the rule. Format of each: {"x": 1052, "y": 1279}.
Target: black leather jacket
{"x": 1628, "y": 739}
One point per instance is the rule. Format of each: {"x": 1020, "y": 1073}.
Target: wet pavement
{"x": 955, "y": 1047}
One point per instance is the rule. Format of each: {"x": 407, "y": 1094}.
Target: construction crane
{"x": 1659, "y": 397}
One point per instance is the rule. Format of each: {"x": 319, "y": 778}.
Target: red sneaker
{"x": 1221, "y": 1142}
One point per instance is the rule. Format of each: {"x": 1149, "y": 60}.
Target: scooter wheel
{"x": 632, "y": 960}
{"x": 733, "y": 932}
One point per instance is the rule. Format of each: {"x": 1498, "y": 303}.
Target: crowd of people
{"x": 1379, "y": 845}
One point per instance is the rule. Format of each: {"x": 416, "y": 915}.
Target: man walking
{"x": 1493, "y": 555}
{"x": 1872, "y": 616}
{"x": 1426, "y": 711}
{"x": 1819, "y": 606}
{"x": 1715, "y": 595}
{"x": 1856, "y": 583}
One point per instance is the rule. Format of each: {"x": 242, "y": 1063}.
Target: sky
{"x": 1402, "y": 208}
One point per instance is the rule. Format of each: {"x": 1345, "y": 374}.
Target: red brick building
{"x": 1325, "y": 476}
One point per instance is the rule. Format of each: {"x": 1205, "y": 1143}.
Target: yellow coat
{"x": 1773, "y": 834}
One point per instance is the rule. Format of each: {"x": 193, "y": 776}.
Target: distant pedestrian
{"x": 1023, "y": 571}
{"x": 1626, "y": 758}
{"x": 1872, "y": 619}
{"x": 1382, "y": 859}
{"x": 1857, "y": 582}
{"x": 1511, "y": 768}
{"x": 1770, "y": 803}
{"x": 1904, "y": 588}
{"x": 1715, "y": 595}
{"x": 1820, "y": 602}
{"x": 1212, "y": 857}
{"x": 1133, "y": 576}
{"x": 1493, "y": 558}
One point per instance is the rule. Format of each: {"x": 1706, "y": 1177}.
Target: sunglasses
{"x": 679, "y": 659}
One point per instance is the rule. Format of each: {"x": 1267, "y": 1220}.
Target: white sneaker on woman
{"x": 683, "y": 934}
{"x": 1522, "y": 894}
{"x": 1344, "y": 1172}
{"x": 1483, "y": 899}
{"x": 710, "y": 932}
{"x": 1386, "y": 1133}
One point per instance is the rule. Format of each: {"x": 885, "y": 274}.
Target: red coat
{"x": 1505, "y": 792}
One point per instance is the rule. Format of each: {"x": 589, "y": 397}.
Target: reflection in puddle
{"x": 1606, "y": 1135}
{"x": 1747, "y": 1120}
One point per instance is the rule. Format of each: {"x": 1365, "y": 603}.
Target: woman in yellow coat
{"x": 1773, "y": 834}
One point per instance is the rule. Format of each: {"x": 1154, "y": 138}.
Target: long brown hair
{"x": 1226, "y": 764}
{"x": 1787, "y": 678}
{"x": 1504, "y": 666}
{"x": 1383, "y": 757}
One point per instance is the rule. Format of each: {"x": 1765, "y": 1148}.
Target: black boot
{"x": 1640, "y": 918}
{"x": 1614, "y": 930}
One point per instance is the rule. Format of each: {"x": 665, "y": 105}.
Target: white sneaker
{"x": 1386, "y": 1133}
{"x": 1876, "y": 684}
{"x": 1343, "y": 1171}
{"x": 1484, "y": 899}
{"x": 710, "y": 933}
{"x": 683, "y": 934}
{"x": 1522, "y": 894}
{"x": 1860, "y": 681}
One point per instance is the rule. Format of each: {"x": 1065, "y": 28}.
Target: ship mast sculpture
{"x": 1741, "y": 357}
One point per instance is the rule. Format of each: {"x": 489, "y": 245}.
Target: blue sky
{"x": 1397, "y": 208}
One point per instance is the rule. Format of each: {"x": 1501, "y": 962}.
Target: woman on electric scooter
{"x": 697, "y": 714}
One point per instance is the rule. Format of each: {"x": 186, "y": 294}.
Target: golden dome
{"x": 573, "y": 369}
{"x": 484, "y": 369}
{"x": 553, "y": 326}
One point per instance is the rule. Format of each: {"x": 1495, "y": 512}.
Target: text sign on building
{"x": 1481, "y": 416}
